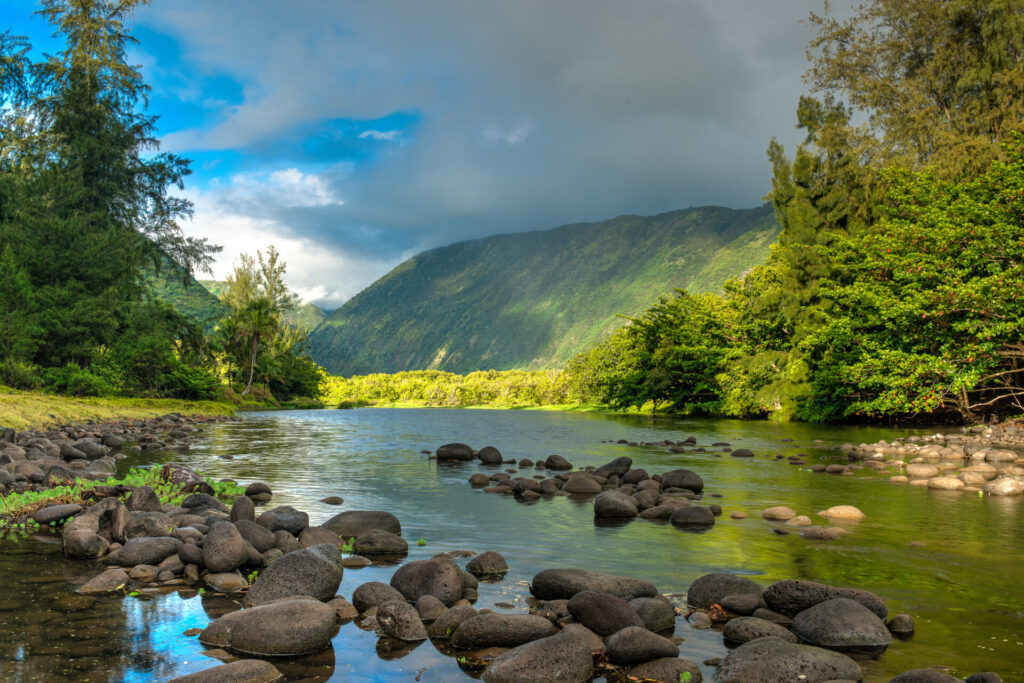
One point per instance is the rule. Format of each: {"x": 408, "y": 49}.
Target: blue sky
{"x": 354, "y": 134}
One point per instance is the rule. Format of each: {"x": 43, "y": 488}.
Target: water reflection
{"x": 961, "y": 584}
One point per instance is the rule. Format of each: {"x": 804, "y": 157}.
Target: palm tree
{"x": 258, "y": 322}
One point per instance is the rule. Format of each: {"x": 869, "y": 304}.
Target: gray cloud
{"x": 533, "y": 113}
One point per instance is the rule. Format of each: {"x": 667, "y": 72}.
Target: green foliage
{"x": 533, "y": 300}
{"x": 73, "y": 380}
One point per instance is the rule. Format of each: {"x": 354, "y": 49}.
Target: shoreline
{"x": 31, "y": 410}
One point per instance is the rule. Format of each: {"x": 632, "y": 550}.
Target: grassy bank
{"x": 25, "y": 409}
{"x": 559, "y": 407}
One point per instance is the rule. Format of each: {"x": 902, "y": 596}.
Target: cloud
{"x": 528, "y": 114}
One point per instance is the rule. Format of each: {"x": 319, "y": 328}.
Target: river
{"x": 961, "y": 580}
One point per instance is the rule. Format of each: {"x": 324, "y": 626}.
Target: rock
{"x": 240, "y": 671}
{"x": 582, "y": 482}
{"x": 823, "y": 533}
{"x": 398, "y": 619}
{"x": 984, "y": 677}
{"x": 445, "y": 625}
{"x": 771, "y": 659}
{"x": 259, "y": 537}
{"x": 190, "y": 553}
{"x": 243, "y": 508}
{"x": 285, "y": 518}
{"x": 847, "y": 512}
{"x": 922, "y": 470}
{"x": 285, "y": 628}
{"x": 224, "y": 549}
{"x": 742, "y": 453}
{"x": 315, "y": 572}
{"x": 489, "y": 455}
{"x": 438, "y": 576}
{"x": 201, "y": 503}
{"x": 332, "y": 500}
{"x": 841, "y": 623}
{"x": 285, "y": 542}
{"x": 612, "y": 504}
{"x": 773, "y": 616}
{"x": 143, "y": 573}
{"x": 667, "y": 670}
{"x": 743, "y": 604}
{"x": 563, "y": 584}
{"x": 344, "y": 609}
{"x": 780, "y": 513}
{"x": 739, "y": 515}
{"x": 225, "y": 582}
{"x": 799, "y": 520}
{"x": 635, "y": 644}
{"x": 635, "y": 476}
{"x": 479, "y": 479}
{"x": 354, "y": 522}
{"x": 658, "y": 614}
{"x": 710, "y": 589}
{"x": 105, "y": 582}
{"x": 1003, "y": 486}
{"x": 791, "y": 596}
{"x": 700, "y": 620}
{"x": 147, "y": 524}
{"x": 488, "y": 563}
{"x": 924, "y": 676}
{"x": 148, "y": 550}
{"x": 56, "y": 513}
{"x": 682, "y": 479}
{"x": 901, "y": 625}
{"x": 500, "y": 630}
{"x": 744, "y": 629}
{"x": 602, "y": 613}
{"x": 557, "y": 462}
{"x": 430, "y": 608}
{"x": 566, "y": 657}
{"x": 355, "y": 562}
{"x": 378, "y": 542}
{"x": 617, "y": 467}
{"x": 143, "y": 499}
{"x": 693, "y": 517}
{"x": 373, "y": 594}
{"x": 946, "y": 483}
{"x": 454, "y": 452}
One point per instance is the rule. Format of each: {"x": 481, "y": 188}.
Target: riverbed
{"x": 953, "y": 561}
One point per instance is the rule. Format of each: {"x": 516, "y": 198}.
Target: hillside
{"x": 306, "y": 315}
{"x": 193, "y": 300}
{"x": 533, "y": 300}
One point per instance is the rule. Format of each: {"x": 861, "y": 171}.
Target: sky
{"x": 352, "y": 135}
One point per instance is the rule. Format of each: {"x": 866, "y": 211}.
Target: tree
{"x": 258, "y": 323}
{"x": 18, "y": 332}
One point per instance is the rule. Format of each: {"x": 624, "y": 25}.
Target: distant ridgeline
{"x": 533, "y": 300}
{"x": 199, "y": 300}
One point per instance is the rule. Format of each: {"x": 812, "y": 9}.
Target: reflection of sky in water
{"x": 372, "y": 458}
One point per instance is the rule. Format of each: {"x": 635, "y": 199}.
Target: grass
{"x": 30, "y": 409}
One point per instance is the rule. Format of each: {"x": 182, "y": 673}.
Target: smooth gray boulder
{"x": 711, "y": 589}
{"x": 566, "y": 657}
{"x": 444, "y": 626}
{"x": 602, "y": 613}
{"x": 438, "y": 576}
{"x": 682, "y": 479}
{"x": 841, "y": 623}
{"x": 224, "y": 549}
{"x": 398, "y": 619}
{"x": 744, "y": 629}
{"x": 372, "y": 594}
{"x": 771, "y": 659}
{"x": 240, "y": 671}
{"x": 284, "y": 518}
{"x": 355, "y": 522}
{"x": 500, "y": 630}
{"x": 635, "y": 645}
{"x": 315, "y": 572}
{"x": 669, "y": 669}
{"x": 486, "y": 564}
{"x": 454, "y": 451}
{"x": 148, "y": 550}
{"x": 563, "y": 584}
{"x": 792, "y": 596}
{"x": 658, "y": 614}
{"x": 285, "y": 628}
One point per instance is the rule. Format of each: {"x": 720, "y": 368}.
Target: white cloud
{"x": 382, "y": 136}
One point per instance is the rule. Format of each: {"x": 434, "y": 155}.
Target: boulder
{"x": 430, "y": 608}
{"x": 693, "y": 517}
{"x": 667, "y": 669}
{"x": 225, "y": 582}
{"x": 240, "y": 671}
{"x": 779, "y": 513}
{"x": 792, "y": 596}
{"x": 479, "y": 479}
{"x": 658, "y": 614}
{"x": 344, "y": 609}
{"x": 602, "y": 613}
{"x": 316, "y": 535}
{"x": 901, "y": 626}
{"x": 354, "y": 522}
{"x": 682, "y": 479}
{"x": 823, "y": 533}
{"x": 372, "y": 594}
{"x": 566, "y": 657}
{"x": 398, "y": 619}
{"x": 259, "y": 492}
{"x": 315, "y": 572}
{"x": 635, "y": 644}
{"x": 450, "y": 619}
{"x": 617, "y": 467}
{"x": 557, "y": 462}
{"x": 438, "y": 576}
{"x": 612, "y": 504}
{"x": 742, "y": 604}
{"x": 201, "y": 503}
{"x": 148, "y": 550}
{"x": 143, "y": 499}
{"x": 744, "y": 629}
{"x": 224, "y": 549}
{"x": 105, "y": 582}
{"x": 711, "y": 589}
{"x": 500, "y": 630}
{"x": 259, "y": 537}
{"x": 285, "y": 628}
{"x": 286, "y": 542}
{"x": 582, "y": 482}
{"x": 771, "y": 659}
{"x": 454, "y": 452}
{"x": 844, "y": 512}
{"x": 1003, "y": 486}
{"x": 563, "y": 584}
{"x": 243, "y": 508}
{"x": 285, "y": 518}
{"x": 742, "y": 453}
{"x": 946, "y": 483}
{"x": 56, "y": 513}
{"x": 379, "y": 542}
{"x": 841, "y": 623}
{"x": 147, "y": 524}
{"x": 487, "y": 563}
{"x": 489, "y": 455}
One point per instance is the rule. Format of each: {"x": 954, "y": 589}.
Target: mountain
{"x": 306, "y": 314}
{"x": 193, "y": 300}
{"x": 535, "y": 299}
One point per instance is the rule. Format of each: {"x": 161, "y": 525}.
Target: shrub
{"x": 73, "y": 380}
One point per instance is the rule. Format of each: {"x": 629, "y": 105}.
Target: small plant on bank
{"x": 422, "y": 542}
{"x": 347, "y": 547}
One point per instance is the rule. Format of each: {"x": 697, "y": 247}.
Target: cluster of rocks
{"x": 979, "y": 460}
{"x": 33, "y": 460}
{"x": 788, "y": 518}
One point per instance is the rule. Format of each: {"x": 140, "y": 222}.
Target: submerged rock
{"x": 563, "y": 584}
{"x": 241, "y": 671}
{"x": 285, "y": 628}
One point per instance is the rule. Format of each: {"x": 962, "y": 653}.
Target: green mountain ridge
{"x": 306, "y": 315}
{"x": 533, "y": 300}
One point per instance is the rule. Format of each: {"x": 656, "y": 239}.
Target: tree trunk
{"x": 252, "y": 366}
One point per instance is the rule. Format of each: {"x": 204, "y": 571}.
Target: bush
{"x": 18, "y": 375}
{"x": 73, "y": 380}
{"x": 187, "y": 381}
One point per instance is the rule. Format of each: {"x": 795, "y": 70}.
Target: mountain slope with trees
{"x": 533, "y": 300}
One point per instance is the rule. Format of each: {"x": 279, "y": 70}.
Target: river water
{"x": 963, "y": 585}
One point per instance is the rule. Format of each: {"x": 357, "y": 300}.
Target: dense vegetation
{"x": 532, "y": 300}
{"x": 491, "y": 388}
{"x": 89, "y": 234}
{"x": 894, "y": 288}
